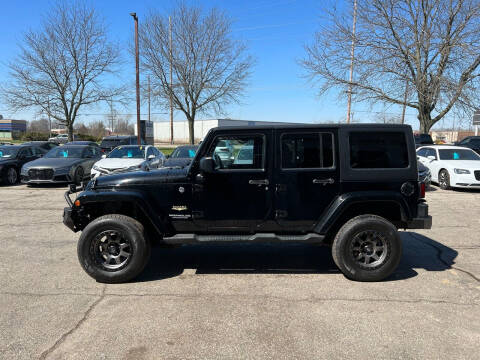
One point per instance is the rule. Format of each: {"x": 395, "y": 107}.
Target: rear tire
{"x": 113, "y": 249}
{"x": 444, "y": 180}
{"x": 367, "y": 248}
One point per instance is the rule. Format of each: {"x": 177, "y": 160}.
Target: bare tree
{"x": 61, "y": 65}
{"x": 431, "y": 46}
{"x": 209, "y": 67}
{"x": 40, "y": 125}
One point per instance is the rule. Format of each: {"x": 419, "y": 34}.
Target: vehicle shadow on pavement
{"x": 419, "y": 252}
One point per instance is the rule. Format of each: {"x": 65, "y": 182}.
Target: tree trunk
{"x": 70, "y": 131}
{"x": 425, "y": 119}
{"x": 191, "y": 134}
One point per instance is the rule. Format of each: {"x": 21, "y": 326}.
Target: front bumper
{"x": 423, "y": 220}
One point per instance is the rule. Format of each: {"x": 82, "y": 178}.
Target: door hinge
{"x": 279, "y": 214}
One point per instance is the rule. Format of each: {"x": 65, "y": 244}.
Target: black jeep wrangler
{"x": 348, "y": 186}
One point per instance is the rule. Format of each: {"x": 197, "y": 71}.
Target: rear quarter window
{"x": 378, "y": 150}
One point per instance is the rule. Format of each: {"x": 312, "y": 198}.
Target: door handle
{"x": 323, "y": 181}
{"x": 258, "y": 182}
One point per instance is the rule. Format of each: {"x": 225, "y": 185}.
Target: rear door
{"x": 306, "y": 176}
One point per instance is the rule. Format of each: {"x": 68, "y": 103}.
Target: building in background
{"x": 12, "y": 129}
{"x": 161, "y": 129}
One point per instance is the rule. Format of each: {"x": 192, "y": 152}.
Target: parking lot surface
{"x": 238, "y": 301}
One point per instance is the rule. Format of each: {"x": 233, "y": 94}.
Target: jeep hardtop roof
{"x": 319, "y": 126}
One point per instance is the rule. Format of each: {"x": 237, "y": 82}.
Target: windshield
{"x": 458, "y": 154}
{"x": 8, "y": 152}
{"x": 184, "y": 152}
{"x": 65, "y": 152}
{"x": 128, "y": 152}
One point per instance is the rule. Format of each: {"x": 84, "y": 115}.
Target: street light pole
{"x": 137, "y": 71}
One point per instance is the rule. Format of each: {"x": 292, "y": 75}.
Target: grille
{"x": 40, "y": 174}
{"x": 477, "y": 174}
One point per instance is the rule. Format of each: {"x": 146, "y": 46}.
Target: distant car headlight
{"x": 63, "y": 169}
{"x": 95, "y": 167}
{"x": 23, "y": 170}
{"x": 461, "y": 171}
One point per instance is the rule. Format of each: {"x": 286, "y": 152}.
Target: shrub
{"x": 34, "y": 136}
{"x": 86, "y": 137}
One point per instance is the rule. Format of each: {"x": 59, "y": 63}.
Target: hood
{"x": 53, "y": 163}
{"x": 463, "y": 164}
{"x": 177, "y": 162}
{"x": 152, "y": 177}
{"x": 115, "y": 163}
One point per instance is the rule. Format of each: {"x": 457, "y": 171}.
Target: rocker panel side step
{"x": 259, "y": 237}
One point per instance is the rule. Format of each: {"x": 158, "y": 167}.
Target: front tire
{"x": 113, "y": 249}
{"x": 444, "y": 180}
{"x": 78, "y": 177}
{"x": 367, "y": 248}
{"x": 11, "y": 176}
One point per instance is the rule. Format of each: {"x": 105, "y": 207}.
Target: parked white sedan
{"x": 129, "y": 158}
{"x": 451, "y": 166}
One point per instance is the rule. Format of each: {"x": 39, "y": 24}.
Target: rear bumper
{"x": 423, "y": 220}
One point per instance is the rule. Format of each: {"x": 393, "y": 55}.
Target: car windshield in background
{"x": 423, "y": 138}
{"x": 8, "y": 152}
{"x": 113, "y": 143}
{"x": 128, "y": 153}
{"x": 184, "y": 152}
{"x": 65, "y": 152}
{"x": 458, "y": 154}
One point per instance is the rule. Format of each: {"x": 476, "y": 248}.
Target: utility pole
{"x": 111, "y": 116}
{"x": 352, "y": 57}
{"x": 405, "y": 102}
{"x": 148, "y": 98}
{"x": 171, "y": 79}
{"x": 137, "y": 73}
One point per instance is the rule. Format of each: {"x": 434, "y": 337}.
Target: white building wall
{"x": 161, "y": 129}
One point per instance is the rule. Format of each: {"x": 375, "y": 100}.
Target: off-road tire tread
{"x": 128, "y": 273}
{"x": 358, "y": 274}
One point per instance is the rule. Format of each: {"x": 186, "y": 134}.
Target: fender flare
{"x": 159, "y": 221}
{"x": 342, "y": 203}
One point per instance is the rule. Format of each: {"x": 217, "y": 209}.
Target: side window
{"x": 307, "y": 151}
{"x": 422, "y": 152}
{"x": 431, "y": 152}
{"x": 38, "y": 151}
{"x": 378, "y": 150}
{"x": 150, "y": 152}
{"x": 26, "y": 152}
{"x": 88, "y": 152}
{"x": 238, "y": 152}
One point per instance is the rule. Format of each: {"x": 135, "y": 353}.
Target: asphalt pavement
{"x": 237, "y": 301}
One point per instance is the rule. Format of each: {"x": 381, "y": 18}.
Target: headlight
{"x": 461, "y": 171}
{"x": 136, "y": 167}
{"x": 95, "y": 167}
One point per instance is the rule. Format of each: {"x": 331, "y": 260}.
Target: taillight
{"x": 422, "y": 190}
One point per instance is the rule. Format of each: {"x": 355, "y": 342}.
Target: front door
{"x": 237, "y": 196}
{"x": 306, "y": 175}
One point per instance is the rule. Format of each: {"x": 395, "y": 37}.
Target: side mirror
{"x": 431, "y": 157}
{"x": 104, "y": 156}
{"x": 151, "y": 157}
{"x": 167, "y": 156}
{"x": 207, "y": 164}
